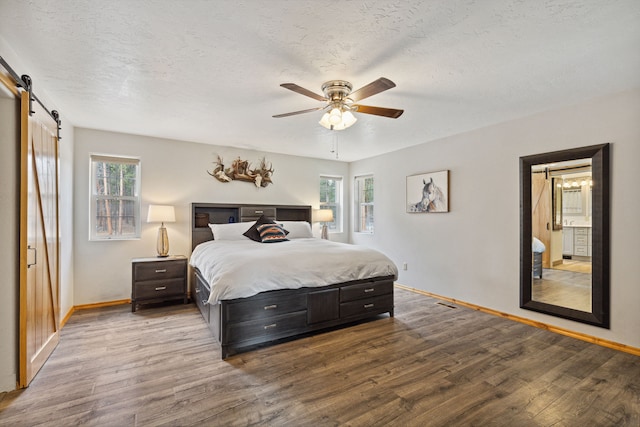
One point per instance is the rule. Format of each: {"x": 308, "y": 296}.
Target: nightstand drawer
{"x": 354, "y": 308}
{"x": 159, "y": 270}
{"x": 155, "y": 279}
{"x": 158, "y": 288}
{"x": 365, "y": 290}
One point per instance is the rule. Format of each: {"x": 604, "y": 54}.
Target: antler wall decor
{"x": 240, "y": 170}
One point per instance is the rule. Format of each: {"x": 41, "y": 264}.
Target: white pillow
{"x": 297, "y": 229}
{"x": 230, "y": 231}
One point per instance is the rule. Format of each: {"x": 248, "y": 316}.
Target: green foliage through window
{"x": 364, "y": 204}
{"x": 330, "y": 198}
{"x": 115, "y": 198}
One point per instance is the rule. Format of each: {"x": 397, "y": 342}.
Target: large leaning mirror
{"x": 564, "y": 234}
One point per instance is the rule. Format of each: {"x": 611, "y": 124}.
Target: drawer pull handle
{"x": 273, "y": 325}
{"x": 161, "y": 271}
{"x": 368, "y": 305}
{"x": 259, "y": 212}
{"x": 161, "y": 288}
{"x": 369, "y": 290}
{"x": 270, "y": 307}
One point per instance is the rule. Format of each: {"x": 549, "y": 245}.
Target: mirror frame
{"x": 600, "y": 310}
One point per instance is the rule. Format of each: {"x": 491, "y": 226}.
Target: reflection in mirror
{"x": 556, "y": 200}
{"x": 565, "y": 248}
{"x": 564, "y": 234}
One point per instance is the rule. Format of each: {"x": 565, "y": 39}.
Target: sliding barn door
{"x": 541, "y": 214}
{"x": 39, "y": 240}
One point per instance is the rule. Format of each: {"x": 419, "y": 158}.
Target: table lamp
{"x": 162, "y": 214}
{"x": 324, "y": 216}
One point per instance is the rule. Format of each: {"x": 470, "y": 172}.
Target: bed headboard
{"x": 203, "y": 214}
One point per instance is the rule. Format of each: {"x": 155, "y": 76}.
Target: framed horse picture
{"x": 428, "y": 192}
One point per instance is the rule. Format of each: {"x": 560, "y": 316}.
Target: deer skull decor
{"x": 241, "y": 170}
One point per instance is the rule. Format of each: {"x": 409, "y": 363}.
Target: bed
{"x": 537, "y": 248}
{"x": 250, "y": 293}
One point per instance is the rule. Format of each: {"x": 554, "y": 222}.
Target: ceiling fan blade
{"x": 298, "y": 112}
{"x": 379, "y": 111}
{"x": 299, "y": 89}
{"x": 372, "y": 88}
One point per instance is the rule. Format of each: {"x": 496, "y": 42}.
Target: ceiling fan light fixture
{"x": 346, "y": 119}
{"x": 324, "y": 121}
{"x": 341, "y": 102}
{"x": 335, "y": 116}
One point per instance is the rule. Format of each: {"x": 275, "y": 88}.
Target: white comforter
{"x": 242, "y": 268}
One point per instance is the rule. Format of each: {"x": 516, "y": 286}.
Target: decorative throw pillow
{"x": 253, "y": 233}
{"x": 270, "y": 233}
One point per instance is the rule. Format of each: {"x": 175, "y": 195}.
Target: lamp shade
{"x": 324, "y": 215}
{"x": 161, "y": 213}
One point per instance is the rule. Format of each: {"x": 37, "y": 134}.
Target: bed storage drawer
{"x": 365, "y": 290}
{"x": 201, "y": 296}
{"x": 264, "y": 307}
{"x": 272, "y": 327}
{"x": 367, "y": 306}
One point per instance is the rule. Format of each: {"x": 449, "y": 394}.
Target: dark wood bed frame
{"x": 241, "y": 324}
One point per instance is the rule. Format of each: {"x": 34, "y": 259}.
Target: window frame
{"x": 94, "y": 159}
{"x": 337, "y": 225}
{"x": 358, "y": 225}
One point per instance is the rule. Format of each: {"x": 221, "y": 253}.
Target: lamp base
{"x": 325, "y": 232}
{"x": 163, "y": 242}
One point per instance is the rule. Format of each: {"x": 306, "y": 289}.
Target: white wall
{"x": 175, "y": 173}
{"x": 472, "y": 252}
{"x": 66, "y": 147}
{"x": 10, "y": 232}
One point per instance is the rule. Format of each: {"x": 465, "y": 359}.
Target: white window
{"x": 363, "y": 190}
{"x": 330, "y": 198}
{"x": 114, "y": 213}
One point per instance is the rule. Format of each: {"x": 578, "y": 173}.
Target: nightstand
{"x": 158, "y": 279}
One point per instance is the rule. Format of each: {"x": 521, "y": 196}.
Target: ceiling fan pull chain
{"x": 334, "y": 145}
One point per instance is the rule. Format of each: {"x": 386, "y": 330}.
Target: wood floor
{"x": 431, "y": 365}
{"x": 566, "y": 288}
{"x": 574, "y": 265}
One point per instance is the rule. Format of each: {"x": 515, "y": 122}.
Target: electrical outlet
{"x": 404, "y": 266}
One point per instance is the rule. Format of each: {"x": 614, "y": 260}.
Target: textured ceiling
{"x": 209, "y": 71}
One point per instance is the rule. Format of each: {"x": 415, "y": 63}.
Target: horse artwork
{"x": 428, "y": 192}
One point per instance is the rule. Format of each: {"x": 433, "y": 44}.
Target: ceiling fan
{"x": 341, "y": 102}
